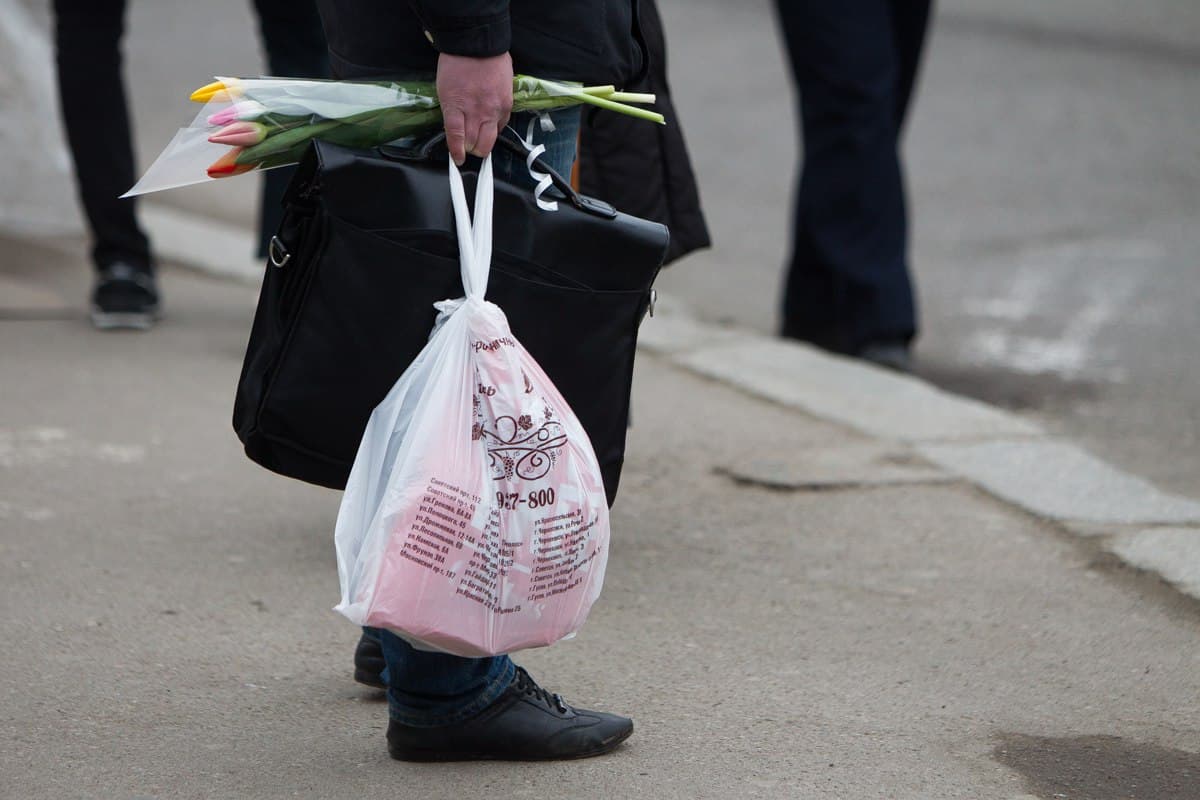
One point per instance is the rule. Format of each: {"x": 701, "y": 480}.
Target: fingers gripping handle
{"x": 474, "y": 236}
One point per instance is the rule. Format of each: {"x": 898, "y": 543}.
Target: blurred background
{"x": 1053, "y": 164}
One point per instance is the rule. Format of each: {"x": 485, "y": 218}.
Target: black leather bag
{"x": 368, "y": 244}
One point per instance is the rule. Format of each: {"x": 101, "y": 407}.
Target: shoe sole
{"x": 368, "y": 679}
{"x": 432, "y": 756}
{"x": 124, "y": 320}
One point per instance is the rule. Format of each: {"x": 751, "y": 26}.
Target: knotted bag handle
{"x": 474, "y": 229}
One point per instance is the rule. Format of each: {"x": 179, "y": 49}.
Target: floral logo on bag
{"x": 519, "y": 445}
{"x": 515, "y": 449}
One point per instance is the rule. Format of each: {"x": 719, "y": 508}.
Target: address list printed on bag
{"x": 443, "y": 540}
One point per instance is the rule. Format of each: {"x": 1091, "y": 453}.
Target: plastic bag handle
{"x": 474, "y": 235}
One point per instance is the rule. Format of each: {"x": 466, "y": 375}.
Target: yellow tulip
{"x": 220, "y": 91}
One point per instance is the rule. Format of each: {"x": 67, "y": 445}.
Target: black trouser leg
{"x": 92, "y": 97}
{"x": 295, "y": 45}
{"x": 854, "y": 63}
{"x": 910, "y": 22}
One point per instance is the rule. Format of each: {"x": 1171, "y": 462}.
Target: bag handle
{"x": 474, "y": 235}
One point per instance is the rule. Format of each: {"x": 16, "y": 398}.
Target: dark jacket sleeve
{"x": 476, "y": 28}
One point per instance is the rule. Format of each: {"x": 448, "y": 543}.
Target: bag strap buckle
{"x": 278, "y": 253}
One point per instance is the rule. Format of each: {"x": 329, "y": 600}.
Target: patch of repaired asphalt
{"x": 1100, "y": 768}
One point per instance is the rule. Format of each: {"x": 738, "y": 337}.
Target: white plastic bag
{"x": 474, "y": 521}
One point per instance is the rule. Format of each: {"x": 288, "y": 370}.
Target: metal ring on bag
{"x": 277, "y": 253}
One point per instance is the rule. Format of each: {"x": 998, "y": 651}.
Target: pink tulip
{"x": 246, "y": 109}
{"x": 240, "y": 134}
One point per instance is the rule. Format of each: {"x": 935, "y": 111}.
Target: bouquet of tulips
{"x": 260, "y": 123}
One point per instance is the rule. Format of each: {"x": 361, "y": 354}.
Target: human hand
{"x": 476, "y": 98}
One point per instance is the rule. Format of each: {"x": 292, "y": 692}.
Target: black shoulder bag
{"x": 368, "y": 244}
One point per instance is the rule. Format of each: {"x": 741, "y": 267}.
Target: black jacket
{"x": 592, "y": 41}
{"x": 641, "y": 168}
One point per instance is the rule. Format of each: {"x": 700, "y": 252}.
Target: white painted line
{"x": 1027, "y": 287}
{"x": 1062, "y": 482}
{"x": 1071, "y": 351}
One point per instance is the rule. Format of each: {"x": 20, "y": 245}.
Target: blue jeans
{"x": 427, "y": 689}
{"x": 560, "y": 146}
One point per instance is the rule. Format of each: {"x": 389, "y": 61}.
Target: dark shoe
{"x": 369, "y": 663}
{"x": 892, "y": 355}
{"x": 526, "y": 723}
{"x": 124, "y": 297}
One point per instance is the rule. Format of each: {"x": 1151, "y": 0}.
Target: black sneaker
{"x": 124, "y": 297}
{"x": 368, "y": 662}
{"x": 526, "y": 723}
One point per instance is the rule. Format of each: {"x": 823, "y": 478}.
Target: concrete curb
{"x": 1003, "y": 454}
{"x": 943, "y": 434}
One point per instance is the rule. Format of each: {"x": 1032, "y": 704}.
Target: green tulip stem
{"x": 633, "y": 111}
{"x": 631, "y": 97}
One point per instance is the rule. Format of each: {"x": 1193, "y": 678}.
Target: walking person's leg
{"x": 848, "y": 287}
{"x": 92, "y": 97}
{"x": 295, "y": 47}
{"x": 910, "y": 26}
{"x": 427, "y": 689}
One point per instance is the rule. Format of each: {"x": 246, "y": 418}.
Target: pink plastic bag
{"x": 474, "y": 521}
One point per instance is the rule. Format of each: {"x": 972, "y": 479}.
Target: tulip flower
{"x": 271, "y": 122}
{"x": 244, "y": 109}
{"x": 226, "y": 166}
{"x": 224, "y": 89}
{"x": 240, "y": 134}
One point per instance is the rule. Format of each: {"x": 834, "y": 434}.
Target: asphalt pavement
{"x": 795, "y": 606}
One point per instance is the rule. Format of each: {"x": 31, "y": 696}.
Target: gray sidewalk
{"x": 805, "y": 599}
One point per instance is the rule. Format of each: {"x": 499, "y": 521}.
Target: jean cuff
{"x": 490, "y": 694}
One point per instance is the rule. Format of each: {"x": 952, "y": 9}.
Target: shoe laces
{"x": 526, "y": 685}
